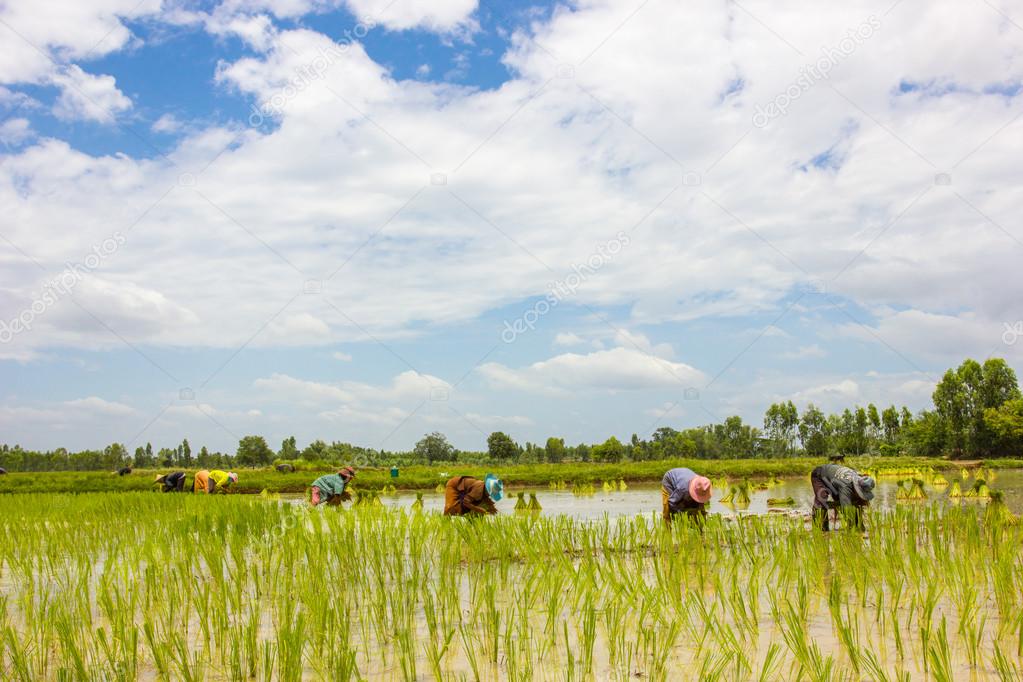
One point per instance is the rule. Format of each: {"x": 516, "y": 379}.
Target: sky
{"x": 367, "y": 220}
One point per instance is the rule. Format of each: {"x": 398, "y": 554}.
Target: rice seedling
{"x": 781, "y": 501}
{"x": 534, "y": 504}
{"x": 235, "y": 587}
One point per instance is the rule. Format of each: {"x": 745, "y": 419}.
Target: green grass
{"x": 109, "y": 586}
{"x": 427, "y": 477}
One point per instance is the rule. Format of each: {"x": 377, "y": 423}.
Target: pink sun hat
{"x": 699, "y": 489}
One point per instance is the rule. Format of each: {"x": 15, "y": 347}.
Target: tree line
{"x": 977, "y": 413}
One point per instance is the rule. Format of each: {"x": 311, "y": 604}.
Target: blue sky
{"x": 717, "y": 227}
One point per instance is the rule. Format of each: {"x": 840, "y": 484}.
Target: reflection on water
{"x": 646, "y": 499}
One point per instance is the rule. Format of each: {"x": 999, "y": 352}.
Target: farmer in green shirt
{"x": 331, "y": 488}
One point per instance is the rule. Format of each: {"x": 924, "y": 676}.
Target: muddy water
{"x": 646, "y": 498}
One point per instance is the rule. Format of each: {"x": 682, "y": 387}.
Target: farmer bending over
{"x": 684, "y": 492}
{"x": 330, "y": 489}
{"x": 467, "y": 495}
{"x": 213, "y": 482}
{"x": 173, "y": 482}
{"x": 838, "y": 486}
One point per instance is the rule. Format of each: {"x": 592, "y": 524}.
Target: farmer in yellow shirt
{"x": 213, "y": 482}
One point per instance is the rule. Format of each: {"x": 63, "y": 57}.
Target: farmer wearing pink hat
{"x": 684, "y": 492}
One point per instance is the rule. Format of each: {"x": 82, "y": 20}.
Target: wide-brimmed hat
{"x": 159, "y": 478}
{"x": 494, "y": 487}
{"x": 233, "y": 477}
{"x": 347, "y": 473}
{"x": 864, "y": 487}
{"x": 700, "y": 489}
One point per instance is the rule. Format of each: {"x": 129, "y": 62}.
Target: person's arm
{"x": 845, "y": 493}
{"x": 478, "y": 501}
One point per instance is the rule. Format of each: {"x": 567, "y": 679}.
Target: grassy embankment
{"x": 515, "y": 475}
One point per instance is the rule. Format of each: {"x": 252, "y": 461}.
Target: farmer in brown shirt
{"x": 467, "y": 495}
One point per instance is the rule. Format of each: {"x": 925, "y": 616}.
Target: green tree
{"x": 874, "y": 431}
{"x": 501, "y": 447}
{"x": 315, "y": 451}
{"x": 253, "y": 451}
{"x": 781, "y": 422}
{"x": 814, "y": 433}
{"x": 1006, "y": 425}
{"x": 555, "y": 449}
{"x": 434, "y": 447}
{"x": 289, "y": 449}
{"x": 186, "y": 453}
{"x": 890, "y": 425}
{"x": 610, "y": 450}
{"x": 961, "y": 398}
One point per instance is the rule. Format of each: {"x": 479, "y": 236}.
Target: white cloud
{"x": 559, "y": 165}
{"x": 167, "y": 123}
{"x": 298, "y": 329}
{"x": 343, "y": 357}
{"x": 811, "y": 351}
{"x": 407, "y": 387}
{"x": 935, "y": 336}
{"x": 568, "y": 339}
{"x": 15, "y": 131}
{"x": 97, "y": 405}
{"x": 491, "y": 421}
{"x": 438, "y": 15}
{"x": 88, "y": 97}
{"x": 62, "y": 30}
{"x": 283, "y": 388}
{"x": 614, "y": 370}
{"x": 843, "y": 392}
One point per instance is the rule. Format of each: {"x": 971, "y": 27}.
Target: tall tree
{"x": 814, "y": 432}
{"x": 501, "y": 447}
{"x": 253, "y": 451}
{"x": 434, "y": 447}
{"x": 289, "y": 449}
{"x": 555, "y": 449}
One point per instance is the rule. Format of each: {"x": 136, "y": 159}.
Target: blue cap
{"x": 494, "y": 487}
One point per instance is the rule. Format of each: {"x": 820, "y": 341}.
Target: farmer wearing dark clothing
{"x": 124, "y": 471}
{"x": 2, "y": 471}
{"x": 838, "y": 487}
{"x": 683, "y": 491}
{"x": 465, "y": 495}
{"x": 330, "y": 489}
{"x": 173, "y": 482}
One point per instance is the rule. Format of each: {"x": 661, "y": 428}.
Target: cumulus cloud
{"x": 616, "y": 369}
{"x": 568, "y": 339}
{"x": 168, "y": 123}
{"x": 100, "y": 406}
{"x": 15, "y": 131}
{"x": 409, "y": 386}
{"x": 88, "y": 97}
{"x": 440, "y": 15}
{"x": 36, "y": 36}
{"x": 422, "y": 205}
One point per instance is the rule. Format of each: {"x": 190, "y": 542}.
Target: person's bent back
{"x": 467, "y": 495}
